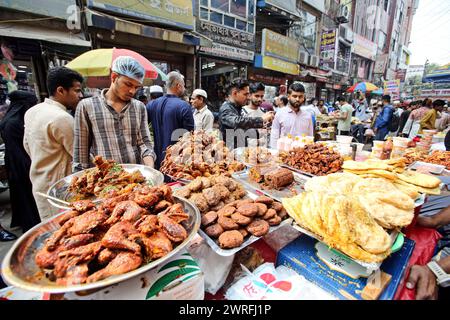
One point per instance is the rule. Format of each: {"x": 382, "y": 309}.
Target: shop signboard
{"x": 392, "y": 88}
{"x": 364, "y": 47}
{"x": 401, "y": 75}
{"x": 436, "y": 93}
{"x": 177, "y": 13}
{"x": 327, "y": 49}
{"x": 224, "y": 51}
{"x": 380, "y": 64}
{"x": 275, "y": 64}
{"x": 225, "y": 35}
{"x": 62, "y": 9}
{"x": 279, "y": 46}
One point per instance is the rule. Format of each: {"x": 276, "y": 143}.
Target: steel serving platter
{"x": 20, "y": 270}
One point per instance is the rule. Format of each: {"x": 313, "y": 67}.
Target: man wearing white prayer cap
{"x": 156, "y": 92}
{"x": 114, "y": 125}
{"x": 203, "y": 118}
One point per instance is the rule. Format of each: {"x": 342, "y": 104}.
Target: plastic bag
{"x": 270, "y": 283}
{"x": 214, "y": 266}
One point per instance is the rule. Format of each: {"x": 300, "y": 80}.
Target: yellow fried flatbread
{"x": 366, "y": 165}
{"x": 431, "y": 191}
{"x": 410, "y": 190}
{"x": 420, "y": 179}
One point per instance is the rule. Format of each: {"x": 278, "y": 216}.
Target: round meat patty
{"x": 276, "y": 220}
{"x": 226, "y": 211}
{"x": 230, "y": 239}
{"x": 209, "y": 218}
{"x": 270, "y": 214}
{"x": 277, "y": 206}
{"x": 214, "y": 231}
{"x": 241, "y": 219}
{"x": 262, "y": 209}
{"x": 243, "y": 232}
{"x": 219, "y": 206}
{"x": 248, "y": 209}
{"x": 227, "y": 223}
{"x": 258, "y": 228}
{"x": 283, "y": 214}
{"x": 264, "y": 199}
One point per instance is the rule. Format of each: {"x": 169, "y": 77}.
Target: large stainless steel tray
{"x": 228, "y": 252}
{"x": 20, "y": 270}
{"x": 59, "y": 189}
{"x": 296, "y": 188}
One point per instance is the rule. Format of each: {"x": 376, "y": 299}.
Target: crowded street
{"x": 226, "y": 150}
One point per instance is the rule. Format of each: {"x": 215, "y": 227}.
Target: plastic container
{"x": 376, "y": 153}
{"x": 429, "y": 132}
{"x": 400, "y": 142}
{"x": 397, "y": 152}
{"x": 344, "y": 139}
{"x": 362, "y": 155}
{"x": 359, "y": 147}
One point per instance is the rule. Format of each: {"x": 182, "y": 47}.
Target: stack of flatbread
{"x": 342, "y": 223}
{"x": 409, "y": 182}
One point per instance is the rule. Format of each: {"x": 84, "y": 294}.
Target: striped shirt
{"x": 120, "y": 136}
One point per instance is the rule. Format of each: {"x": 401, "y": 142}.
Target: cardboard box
{"x": 180, "y": 278}
{"x": 301, "y": 256}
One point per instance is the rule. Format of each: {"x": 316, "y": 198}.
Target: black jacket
{"x": 231, "y": 119}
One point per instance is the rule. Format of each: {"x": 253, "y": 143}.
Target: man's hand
{"x": 268, "y": 117}
{"x": 148, "y": 161}
{"x": 423, "y": 280}
{"x": 375, "y": 130}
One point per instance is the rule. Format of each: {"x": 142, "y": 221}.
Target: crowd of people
{"x": 48, "y": 141}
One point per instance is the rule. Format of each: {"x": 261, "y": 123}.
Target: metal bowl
{"x": 20, "y": 270}
{"x": 59, "y": 189}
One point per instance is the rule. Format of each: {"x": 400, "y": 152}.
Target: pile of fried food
{"x": 351, "y": 213}
{"x": 316, "y": 159}
{"x": 117, "y": 236}
{"x": 199, "y": 154}
{"x": 212, "y": 193}
{"x": 105, "y": 177}
{"x": 408, "y": 181}
{"x": 227, "y": 217}
{"x": 412, "y": 155}
{"x": 271, "y": 177}
{"x": 439, "y": 157}
{"x": 258, "y": 155}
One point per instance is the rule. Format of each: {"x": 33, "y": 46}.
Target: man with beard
{"x": 254, "y": 110}
{"x": 114, "y": 125}
{"x": 232, "y": 119}
{"x": 292, "y": 120}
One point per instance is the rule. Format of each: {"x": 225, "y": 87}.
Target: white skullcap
{"x": 156, "y": 89}
{"x": 129, "y": 67}
{"x": 200, "y": 92}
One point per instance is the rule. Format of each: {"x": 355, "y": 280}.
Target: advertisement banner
{"x": 401, "y": 75}
{"x": 222, "y": 50}
{"x": 62, "y": 9}
{"x": 364, "y": 47}
{"x": 176, "y": 13}
{"x": 392, "y": 88}
{"x": 327, "y": 49}
{"x": 279, "y": 65}
{"x": 278, "y": 46}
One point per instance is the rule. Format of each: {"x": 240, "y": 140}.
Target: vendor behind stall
{"x": 344, "y": 115}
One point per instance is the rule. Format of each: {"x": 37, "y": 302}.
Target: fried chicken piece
{"x": 86, "y": 222}
{"x": 118, "y": 237}
{"x": 162, "y": 205}
{"x": 124, "y": 262}
{"x": 166, "y": 193}
{"x": 106, "y": 255}
{"x": 176, "y": 213}
{"x": 74, "y": 275}
{"x": 147, "y": 225}
{"x": 157, "y": 245}
{"x": 46, "y": 259}
{"x": 82, "y": 205}
{"x": 127, "y": 211}
{"x": 108, "y": 205}
{"x": 146, "y": 200}
{"x": 66, "y": 217}
{"x": 75, "y": 256}
{"x": 183, "y": 193}
{"x": 174, "y": 231}
{"x": 195, "y": 185}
